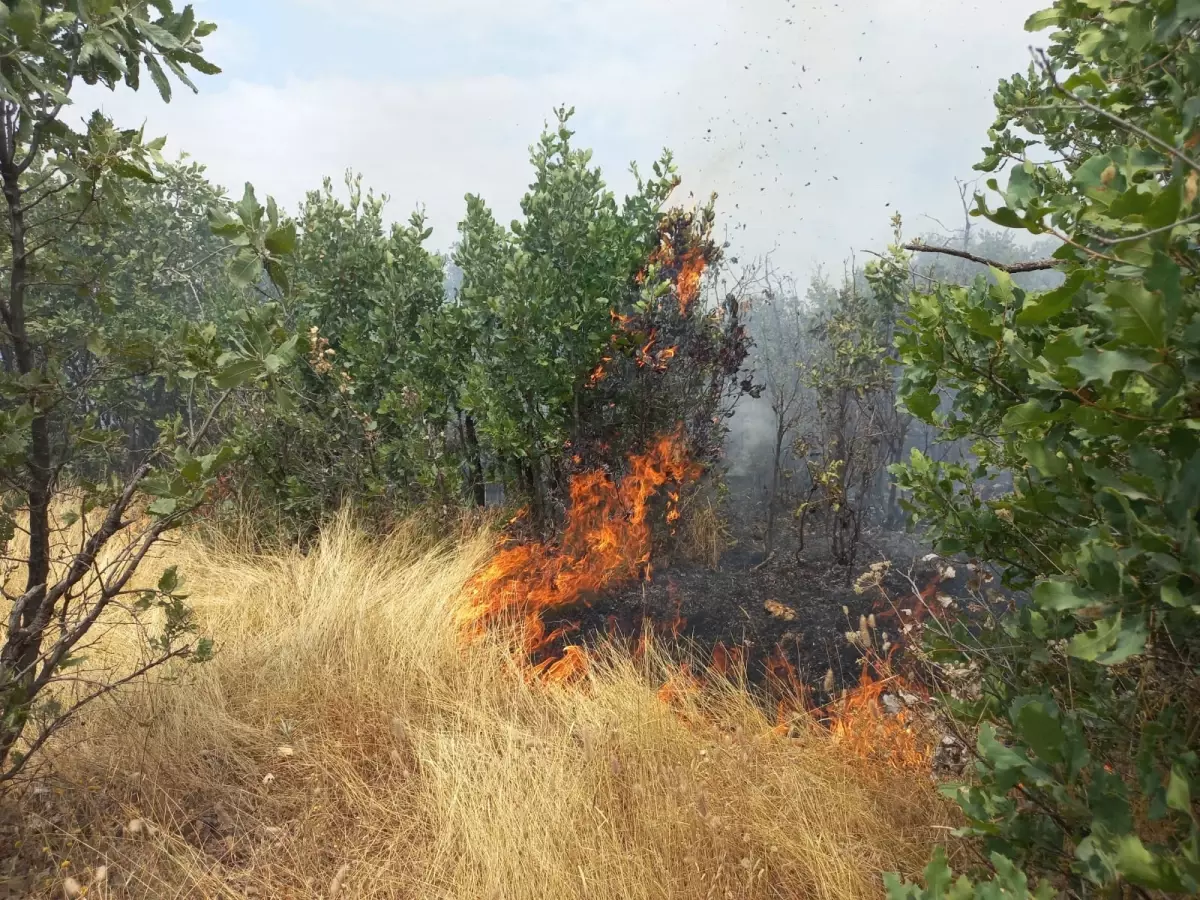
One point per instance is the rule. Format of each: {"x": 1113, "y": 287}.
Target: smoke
{"x": 750, "y": 443}
{"x": 816, "y": 121}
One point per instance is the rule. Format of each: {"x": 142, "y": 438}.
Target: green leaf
{"x": 157, "y": 35}
{"x": 1112, "y": 641}
{"x": 127, "y": 168}
{"x": 1173, "y": 597}
{"x": 282, "y": 240}
{"x": 223, "y": 224}
{"x": 1165, "y": 277}
{"x": 109, "y": 52}
{"x": 922, "y": 404}
{"x": 245, "y": 268}
{"x": 248, "y": 209}
{"x": 1140, "y": 316}
{"x": 1061, "y": 595}
{"x": 203, "y": 651}
{"x": 1040, "y": 308}
{"x": 937, "y": 874}
{"x": 177, "y": 71}
{"x": 1026, "y": 414}
{"x": 1001, "y": 757}
{"x": 1179, "y": 794}
{"x": 1021, "y": 188}
{"x": 158, "y": 76}
{"x": 1041, "y": 729}
{"x": 237, "y": 373}
{"x": 200, "y": 64}
{"x": 1144, "y": 868}
{"x": 1102, "y": 365}
{"x": 1005, "y": 218}
{"x": 278, "y": 275}
{"x": 1092, "y": 174}
{"x": 163, "y": 506}
{"x": 24, "y": 20}
{"x": 1043, "y": 19}
{"x": 169, "y": 580}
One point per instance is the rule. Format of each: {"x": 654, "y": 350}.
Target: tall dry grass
{"x": 344, "y": 742}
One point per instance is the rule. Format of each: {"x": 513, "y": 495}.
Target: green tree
{"x": 1086, "y": 696}
{"x": 540, "y": 299}
{"x": 585, "y": 328}
{"x": 846, "y": 441}
{"x": 67, "y": 343}
{"x": 374, "y": 398}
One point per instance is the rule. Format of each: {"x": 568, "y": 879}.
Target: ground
{"x": 798, "y": 605}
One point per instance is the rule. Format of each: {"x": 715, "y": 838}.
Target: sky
{"x": 813, "y": 121}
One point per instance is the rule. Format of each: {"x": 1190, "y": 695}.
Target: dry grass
{"x": 343, "y": 741}
{"x": 705, "y": 532}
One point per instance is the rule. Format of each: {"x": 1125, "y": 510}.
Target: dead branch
{"x": 1036, "y": 265}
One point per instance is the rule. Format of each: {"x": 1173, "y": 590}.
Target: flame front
{"x": 861, "y": 724}
{"x": 688, "y": 283}
{"x": 607, "y": 542}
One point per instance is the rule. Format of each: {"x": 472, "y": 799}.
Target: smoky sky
{"x": 813, "y": 122}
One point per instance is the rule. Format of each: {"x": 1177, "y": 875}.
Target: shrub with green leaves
{"x": 91, "y": 348}
{"x": 1087, "y": 707}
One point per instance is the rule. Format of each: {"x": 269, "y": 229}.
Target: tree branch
{"x": 57, "y": 725}
{"x": 1037, "y": 265}
{"x": 1048, "y": 70}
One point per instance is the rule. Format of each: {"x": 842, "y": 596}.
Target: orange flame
{"x": 572, "y": 664}
{"x": 688, "y": 283}
{"x": 606, "y": 542}
{"x": 679, "y": 686}
{"x": 860, "y": 722}
{"x": 598, "y": 374}
{"x": 726, "y": 659}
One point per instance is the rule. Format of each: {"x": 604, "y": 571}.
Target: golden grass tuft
{"x": 705, "y": 533}
{"x": 344, "y": 742}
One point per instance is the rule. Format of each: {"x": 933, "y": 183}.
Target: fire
{"x": 692, "y": 265}
{"x": 860, "y": 722}
{"x": 726, "y": 660}
{"x": 688, "y": 283}
{"x": 680, "y": 686}
{"x": 858, "y": 719}
{"x": 606, "y": 542}
{"x": 678, "y": 622}
{"x": 599, "y": 373}
{"x": 572, "y": 664}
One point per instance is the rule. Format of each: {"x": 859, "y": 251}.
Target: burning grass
{"x": 607, "y": 542}
{"x": 344, "y": 740}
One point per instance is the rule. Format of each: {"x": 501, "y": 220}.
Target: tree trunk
{"x": 21, "y": 649}
{"x": 773, "y": 495}
{"x": 478, "y": 491}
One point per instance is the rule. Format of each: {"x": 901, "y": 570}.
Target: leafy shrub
{"x": 1089, "y": 395}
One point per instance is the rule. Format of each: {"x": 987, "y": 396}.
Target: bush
{"x": 1088, "y": 394}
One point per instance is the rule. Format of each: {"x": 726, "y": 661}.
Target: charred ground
{"x": 793, "y": 609}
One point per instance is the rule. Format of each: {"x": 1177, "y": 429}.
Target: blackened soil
{"x": 798, "y": 607}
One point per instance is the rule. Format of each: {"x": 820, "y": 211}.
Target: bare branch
{"x": 57, "y": 725}
{"x": 1036, "y": 265}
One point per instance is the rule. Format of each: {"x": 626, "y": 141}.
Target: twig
{"x": 1036, "y": 265}
{"x": 1145, "y": 234}
{"x": 1047, "y": 69}
{"x": 62, "y": 720}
